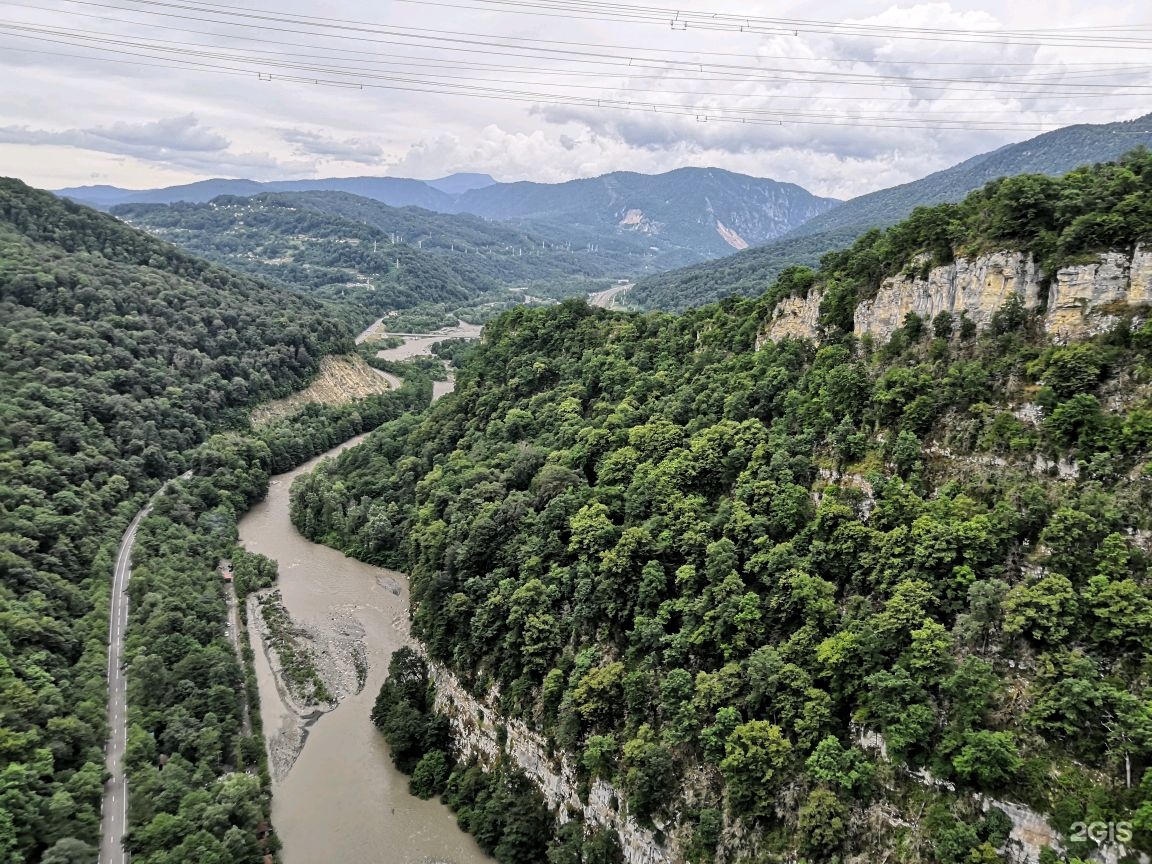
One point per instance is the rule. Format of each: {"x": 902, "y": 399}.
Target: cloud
{"x": 335, "y": 149}
{"x": 179, "y": 142}
{"x": 187, "y": 124}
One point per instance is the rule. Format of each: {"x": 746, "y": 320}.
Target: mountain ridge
{"x": 753, "y": 270}
{"x": 688, "y": 214}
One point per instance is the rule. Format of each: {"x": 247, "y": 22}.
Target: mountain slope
{"x": 673, "y": 219}
{"x": 852, "y": 602}
{"x": 118, "y": 353}
{"x": 395, "y": 191}
{"x": 348, "y": 247}
{"x": 457, "y": 184}
{"x": 752, "y": 271}
{"x": 706, "y": 210}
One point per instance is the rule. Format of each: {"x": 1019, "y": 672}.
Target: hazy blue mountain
{"x": 707, "y": 210}
{"x": 752, "y": 271}
{"x": 106, "y": 197}
{"x": 394, "y": 191}
{"x": 458, "y": 184}
{"x": 672, "y": 219}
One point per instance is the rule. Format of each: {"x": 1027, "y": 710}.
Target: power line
{"x": 678, "y": 19}
{"x": 761, "y": 73}
{"x": 1112, "y": 66}
{"x": 711, "y": 113}
{"x": 432, "y": 72}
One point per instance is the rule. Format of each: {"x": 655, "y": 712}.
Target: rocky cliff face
{"x": 794, "y": 318}
{"x": 474, "y": 735}
{"x": 1083, "y": 299}
{"x": 976, "y": 286}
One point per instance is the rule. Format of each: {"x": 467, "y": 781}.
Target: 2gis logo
{"x": 1101, "y": 832}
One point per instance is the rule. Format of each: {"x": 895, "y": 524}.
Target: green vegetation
{"x": 118, "y": 354}
{"x": 352, "y": 249}
{"x": 708, "y": 570}
{"x": 1058, "y": 220}
{"x": 499, "y": 807}
{"x": 199, "y": 785}
{"x": 752, "y": 271}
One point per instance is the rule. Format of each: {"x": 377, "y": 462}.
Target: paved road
{"x": 114, "y": 809}
{"x": 605, "y": 299}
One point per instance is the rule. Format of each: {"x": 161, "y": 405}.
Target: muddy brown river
{"x": 342, "y": 800}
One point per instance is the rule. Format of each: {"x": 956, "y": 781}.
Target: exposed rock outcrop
{"x": 1083, "y": 299}
{"x": 474, "y": 734}
{"x": 1031, "y": 831}
{"x": 976, "y": 286}
{"x": 793, "y": 318}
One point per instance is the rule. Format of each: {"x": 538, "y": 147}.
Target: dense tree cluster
{"x": 1030, "y": 211}
{"x": 1057, "y": 219}
{"x": 118, "y": 353}
{"x": 671, "y": 550}
{"x": 499, "y": 806}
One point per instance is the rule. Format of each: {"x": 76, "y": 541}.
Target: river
{"x": 342, "y": 800}
{"x": 419, "y": 344}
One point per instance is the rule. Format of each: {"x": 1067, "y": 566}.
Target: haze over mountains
{"x": 684, "y": 216}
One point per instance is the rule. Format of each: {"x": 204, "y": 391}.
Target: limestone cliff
{"x": 794, "y": 318}
{"x": 976, "y": 286}
{"x": 474, "y": 734}
{"x": 1083, "y": 299}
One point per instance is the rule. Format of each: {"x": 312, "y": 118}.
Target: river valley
{"x": 336, "y": 794}
{"x": 342, "y": 799}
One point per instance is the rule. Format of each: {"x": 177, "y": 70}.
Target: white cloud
{"x": 180, "y": 142}
{"x": 310, "y": 143}
{"x": 187, "y": 124}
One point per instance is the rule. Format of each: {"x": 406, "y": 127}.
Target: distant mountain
{"x": 752, "y": 271}
{"x": 706, "y": 210}
{"x": 347, "y": 247}
{"x": 458, "y": 184}
{"x": 673, "y": 219}
{"x": 394, "y": 191}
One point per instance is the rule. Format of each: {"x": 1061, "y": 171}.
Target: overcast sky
{"x": 67, "y": 119}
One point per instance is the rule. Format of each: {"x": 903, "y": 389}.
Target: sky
{"x": 115, "y": 92}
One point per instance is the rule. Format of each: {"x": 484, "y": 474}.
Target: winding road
{"x": 114, "y": 808}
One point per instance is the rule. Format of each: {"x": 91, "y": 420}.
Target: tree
{"x": 821, "y": 825}
{"x": 650, "y": 773}
{"x": 988, "y": 759}
{"x": 754, "y": 756}
{"x": 1045, "y": 610}
{"x": 69, "y": 850}
{"x": 430, "y": 775}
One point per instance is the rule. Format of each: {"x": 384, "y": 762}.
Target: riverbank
{"x": 339, "y": 798}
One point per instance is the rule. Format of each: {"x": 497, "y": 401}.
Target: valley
{"x": 340, "y": 798}
{"x": 854, "y": 568}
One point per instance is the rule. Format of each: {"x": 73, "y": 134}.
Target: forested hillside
{"x": 800, "y": 602}
{"x": 666, "y": 220}
{"x": 350, "y": 248}
{"x": 751, "y": 272}
{"x": 705, "y": 212}
{"x": 118, "y": 353}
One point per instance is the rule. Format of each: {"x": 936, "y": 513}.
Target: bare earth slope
{"x": 342, "y": 379}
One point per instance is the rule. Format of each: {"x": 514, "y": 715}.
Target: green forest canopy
{"x": 671, "y": 550}
{"x": 118, "y": 354}
{"x": 1093, "y": 208}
